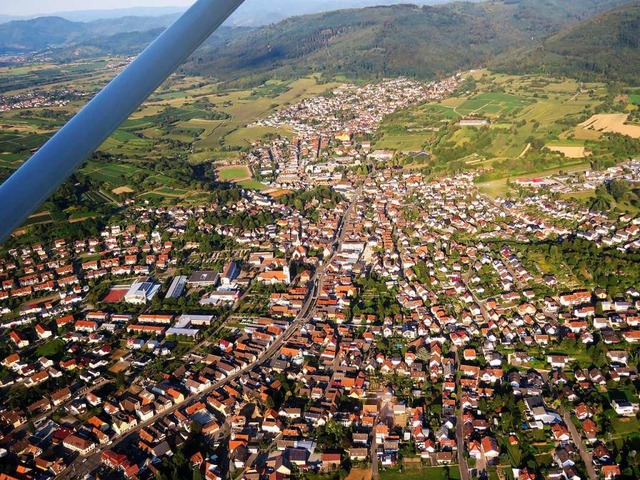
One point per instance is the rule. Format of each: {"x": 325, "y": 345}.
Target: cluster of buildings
{"x": 332, "y": 130}
{"x": 543, "y": 212}
{"x": 39, "y": 99}
{"x": 398, "y": 321}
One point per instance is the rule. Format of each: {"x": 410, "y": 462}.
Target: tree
{"x": 195, "y": 428}
{"x": 618, "y": 189}
{"x": 121, "y": 382}
{"x": 422, "y": 354}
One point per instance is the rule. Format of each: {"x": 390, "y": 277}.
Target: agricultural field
{"x": 491, "y": 104}
{"x": 533, "y": 126}
{"x": 614, "y": 122}
{"x": 114, "y": 174}
{"x": 39, "y": 219}
{"x": 569, "y": 148}
{"x": 189, "y": 119}
{"x": 409, "y": 142}
{"x": 252, "y": 185}
{"x": 21, "y": 143}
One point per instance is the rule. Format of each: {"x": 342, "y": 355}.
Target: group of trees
{"x": 172, "y": 115}
{"x": 616, "y": 147}
{"x": 244, "y": 220}
{"x": 306, "y": 201}
{"x": 592, "y": 265}
{"x": 375, "y": 298}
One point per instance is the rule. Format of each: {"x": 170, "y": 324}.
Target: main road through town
{"x": 462, "y": 461}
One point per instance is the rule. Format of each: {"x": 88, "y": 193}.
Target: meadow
{"x": 491, "y": 104}
{"x": 411, "y": 471}
{"x": 233, "y": 173}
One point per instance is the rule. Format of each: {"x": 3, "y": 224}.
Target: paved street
{"x": 577, "y": 439}
{"x": 462, "y": 461}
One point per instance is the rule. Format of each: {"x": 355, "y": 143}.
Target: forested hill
{"x": 55, "y": 32}
{"x": 385, "y": 41}
{"x": 396, "y": 40}
{"x": 606, "y": 47}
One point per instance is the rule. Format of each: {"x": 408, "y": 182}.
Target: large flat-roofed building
{"x": 188, "y": 325}
{"x": 141, "y": 292}
{"x": 184, "y": 332}
{"x": 199, "y": 320}
{"x": 205, "y": 278}
{"x": 177, "y": 287}
{"x": 220, "y": 297}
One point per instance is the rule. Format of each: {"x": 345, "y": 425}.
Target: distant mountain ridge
{"x": 408, "y": 40}
{"x": 422, "y": 42}
{"x": 69, "y": 29}
{"x": 606, "y": 47}
{"x": 54, "y": 32}
{"x": 253, "y": 13}
{"x": 93, "y": 15}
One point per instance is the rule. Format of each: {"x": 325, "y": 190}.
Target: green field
{"x": 491, "y": 104}
{"x": 635, "y": 98}
{"x": 153, "y": 196}
{"x": 115, "y": 174}
{"x": 408, "y": 142}
{"x": 417, "y": 472}
{"x": 441, "y": 110}
{"x": 252, "y": 185}
{"x": 51, "y": 349}
{"x": 235, "y": 173}
{"x": 244, "y": 137}
{"x": 625, "y": 426}
{"x": 82, "y": 214}
{"x": 98, "y": 198}
{"x": 525, "y": 114}
{"x": 38, "y": 219}
{"x": 172, "y": 191}
{"x": 270, "y": 89}
{"x": 19, "y": 142}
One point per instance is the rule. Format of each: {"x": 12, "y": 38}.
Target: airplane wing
{"x": 23, "y": 192}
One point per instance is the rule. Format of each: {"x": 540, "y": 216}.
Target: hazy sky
{"x": 31, "y": 7}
